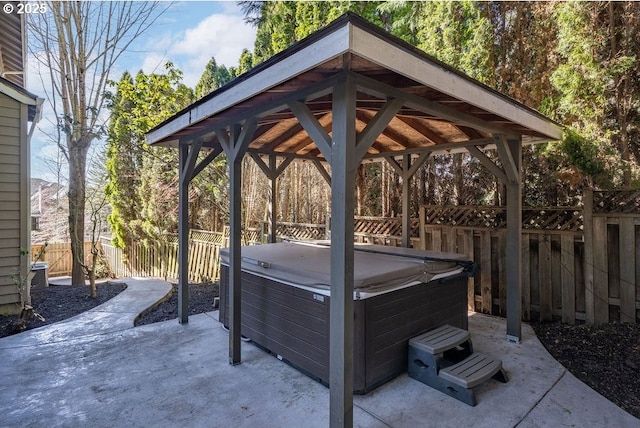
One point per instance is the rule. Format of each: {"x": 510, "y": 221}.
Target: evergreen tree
{"x": 213, "y": 77}
{"x": 136, "y": 188}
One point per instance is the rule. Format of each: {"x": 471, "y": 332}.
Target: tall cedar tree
{"x": 141, "y": 181}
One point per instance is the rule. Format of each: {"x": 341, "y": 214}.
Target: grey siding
{"x": 14, "y": 199}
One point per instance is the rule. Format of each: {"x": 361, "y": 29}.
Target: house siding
{"x": 14, "y": 200}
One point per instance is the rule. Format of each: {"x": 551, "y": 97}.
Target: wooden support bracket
{"x": 506, "y": 157}
{"x": 315, "y": 130}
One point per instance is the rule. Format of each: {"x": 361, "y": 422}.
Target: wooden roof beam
{"x": 442, "y": 148}
{"x": 284, "y": 136}
{"x": 388, "y": 132}
{"x": 423, "y": 129}
{"x": 271, "y": 172}
{"x": 376, "y": 88}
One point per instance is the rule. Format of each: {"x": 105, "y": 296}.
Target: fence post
{"x": 588, "y": 255}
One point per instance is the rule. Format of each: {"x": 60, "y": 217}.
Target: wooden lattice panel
{"x": 465, "y": 216}
{"x": 568, "y": 219}
{"x": 617, "y": 201}
{"x": 251, "y": 236}
{"x": 202, "y": 236}
{"x": 383, "y": 226}
{"x": 301, "y": 231}
{"x": 546, "y": 218}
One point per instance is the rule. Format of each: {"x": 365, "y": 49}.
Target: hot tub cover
{"x": 376, "y": 267}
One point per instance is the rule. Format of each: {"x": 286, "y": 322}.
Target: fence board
{"x": 544, "y": 278}
{"x": 436, "y": 239}
{"x": 485, "y": 272}
{"x": 556, "y": 274}
{"x": 589, "y": 246}
{"x": 613, "y": 259}
{"x": 627, "y": 270}
{"x": 526, "y": 278}
{"x": 600, "y": 271}
{"x": 451, "y": 240}
{"x": 467, "y": 243}
{"x": 567, "y": 261}
{"x": 502, "y": 280}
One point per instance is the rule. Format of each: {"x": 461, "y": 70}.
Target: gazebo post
{"x": 186, "y": 168}
{"x": 343, "y": 166}
{"x": 235, "y": 244}
{"x": 406, "y": 201}
{"x": 183, "y": 236}
{"x": 272, "y": 172}
{"x": 235, "y": 146}
{"x": 513, "y": 250}
{"x": 406, "y": 171}
{"x": 273, "y": 200}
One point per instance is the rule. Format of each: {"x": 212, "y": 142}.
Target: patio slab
{"x": 170, "y": 375}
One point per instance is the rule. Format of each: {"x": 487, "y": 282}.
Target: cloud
{"x": 189, "y": 34}
{"x": 222, "y": 37}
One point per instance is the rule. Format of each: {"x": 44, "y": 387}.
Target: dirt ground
{"x": 606, "y": 357}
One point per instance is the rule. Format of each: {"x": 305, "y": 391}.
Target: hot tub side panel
{"x": 289, "y": 322}
{"x": 294, "y": 324}
{"x": 394, "y": 318}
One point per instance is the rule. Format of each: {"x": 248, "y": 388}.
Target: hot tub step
{"x": 440, "y": 339}
{"x": 474, "y": 370}
{"x": 443, "y": 358}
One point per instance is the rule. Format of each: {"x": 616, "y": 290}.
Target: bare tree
{"x": 79, "y": 43}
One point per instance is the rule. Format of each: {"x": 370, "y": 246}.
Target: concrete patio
{"x": 97, "y": 370}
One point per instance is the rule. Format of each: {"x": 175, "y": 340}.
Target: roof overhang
{"x": 442, "y": 109}
{"x": 21, "y": 95}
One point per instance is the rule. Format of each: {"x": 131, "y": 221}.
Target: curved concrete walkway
{"x": 117, "y": 314}
{"x": 96, "y": 370}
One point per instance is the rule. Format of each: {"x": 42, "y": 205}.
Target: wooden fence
{"x": 58, "y": 256}
{"x": 160, "y": 260}
{"x": 579, "y": 263}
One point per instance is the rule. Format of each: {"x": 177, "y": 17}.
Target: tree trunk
{"x": 458, "y": 180}
{"x": 93, "y": 290}
{"x": 77, "y": 193}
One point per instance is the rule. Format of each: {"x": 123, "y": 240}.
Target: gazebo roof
{"x": 436, "y": 107}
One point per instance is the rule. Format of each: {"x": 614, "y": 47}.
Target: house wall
{"x": 14, "y": 200}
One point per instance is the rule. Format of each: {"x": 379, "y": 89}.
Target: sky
{"x": 188, "y": 34}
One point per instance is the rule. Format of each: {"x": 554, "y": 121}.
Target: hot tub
{"x": 398, "y": 294}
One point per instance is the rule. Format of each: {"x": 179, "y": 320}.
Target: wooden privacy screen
{"x": 578, "y": 264}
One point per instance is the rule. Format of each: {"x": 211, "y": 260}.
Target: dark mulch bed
{"x": 201, "y": 299}
{"x": 57, "y": 303}
{"x": 605, "y": 357}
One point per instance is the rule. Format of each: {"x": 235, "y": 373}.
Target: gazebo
{"x": 346, "y": 94}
